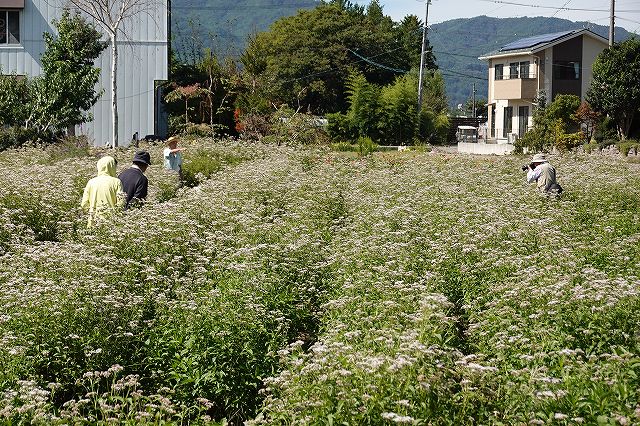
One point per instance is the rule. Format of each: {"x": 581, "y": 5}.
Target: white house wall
{"x": 143, "y": 59}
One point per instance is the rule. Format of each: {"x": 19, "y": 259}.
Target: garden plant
{"x": 298, "y": 285}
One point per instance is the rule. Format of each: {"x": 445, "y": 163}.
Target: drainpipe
{"x": 539, "y": 65}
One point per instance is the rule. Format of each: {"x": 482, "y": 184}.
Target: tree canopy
{"x": 66, "y": 90}
{"x": 615, "y": 89}
{"x": 305, "y": 60}
{"x": 61, "y": 97}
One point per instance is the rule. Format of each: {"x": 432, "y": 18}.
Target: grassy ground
{"x": 301, "y": 286}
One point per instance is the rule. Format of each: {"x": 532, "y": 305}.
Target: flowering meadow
{"x": 301, "y": 286}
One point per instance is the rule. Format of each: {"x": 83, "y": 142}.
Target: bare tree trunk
{"x": 114, "y": 88}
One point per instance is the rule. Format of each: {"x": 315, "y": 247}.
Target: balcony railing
{"x": 530, "y": 76}
{"x": 515, "y": 88}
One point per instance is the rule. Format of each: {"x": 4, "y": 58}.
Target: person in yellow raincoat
{"x": 101, "y": 195}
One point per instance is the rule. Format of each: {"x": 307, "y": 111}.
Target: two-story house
{"x": 143, "y": 62}
{"x": 558, "y": 63}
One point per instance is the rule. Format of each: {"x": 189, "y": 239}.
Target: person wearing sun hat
{"x": 134, "y": 182}
{"x": 173, "y": 155}
{"x": 543, "y": 174}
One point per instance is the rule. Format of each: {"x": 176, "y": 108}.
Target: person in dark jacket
{"x": 134, "y": 182}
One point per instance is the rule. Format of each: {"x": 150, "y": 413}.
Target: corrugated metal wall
{"x": 143, "y": 59}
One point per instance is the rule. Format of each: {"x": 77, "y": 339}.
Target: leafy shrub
{"x": 177, "y": 125}
{"x": 340, "y": 127}
{"x": 535, "y": 140}
{"x": 68, "y": 147}
{"x": 201, "y": 130}
{"x": 398, "y": 122}
{"x": 202, "y": 164}
{"x": 550, "y": 126}
{"x": 606, "y": 130}
{"x": 366, "y": 146}
{"x": 167, "y": 191}
{"x": 292, "y": 128}
{"x": 591, "y": 147}
{"x": 629, "y": 146}
{"x": 434, "y": 127}
{"x": 14, "y": 101}
{"x": 344, "y": 147}
{"x": 16, "y": 137}
{"x": 254, "y": 126}
{"x": 605, "y": 143}
{"x": 564, "y": 108}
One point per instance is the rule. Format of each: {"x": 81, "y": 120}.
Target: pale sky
{"x": 627, "y": 11}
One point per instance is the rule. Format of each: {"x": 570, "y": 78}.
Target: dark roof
{"x": 529, "y": 42}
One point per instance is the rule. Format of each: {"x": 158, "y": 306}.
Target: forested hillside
{"x": 224, "y": 25}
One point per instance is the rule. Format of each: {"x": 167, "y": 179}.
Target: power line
{"x": 396, "y": 70}
{"x": 556, "y": 12}
{"x": 454, "y": 54}
{"x": 555, "y": 7}
{"x": 625, "y": 19}
{"x": 465, "y": 75}
{"x": 338, "y": 68}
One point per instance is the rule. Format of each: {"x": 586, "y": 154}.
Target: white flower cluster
{"x": 301, "y": 286}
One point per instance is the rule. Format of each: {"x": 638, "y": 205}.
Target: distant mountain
{"x": 224, "y": 25}
{"x": 458, "y": 43}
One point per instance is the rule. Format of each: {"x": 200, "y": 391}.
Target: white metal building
{"x": 143, "y": 63}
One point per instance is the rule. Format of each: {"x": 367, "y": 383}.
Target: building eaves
{"x": 552, "y": 40}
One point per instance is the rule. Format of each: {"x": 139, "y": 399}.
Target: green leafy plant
{"x": 615, "y": 90}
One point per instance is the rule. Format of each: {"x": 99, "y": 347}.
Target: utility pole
{"x": 612, "y": 23}
{"x": 425, "y": 43}
{"x": 473, "y": 108}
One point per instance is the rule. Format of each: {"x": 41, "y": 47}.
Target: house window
{"x": 524, "y": 69}
{"x": 9, "y": 27}
{"x": 566, "y": 70}
{"x": 523, "y": 120}
{"x": 508, "y": 121}
{"x": 499, "y": 71}
{"x": 513, "y": 70}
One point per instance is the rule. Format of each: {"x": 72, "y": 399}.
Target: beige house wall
{"x": 591, "y": 48}
{"x": 512, "y": 88}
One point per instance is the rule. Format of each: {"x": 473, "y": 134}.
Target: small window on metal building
{"x": 9, "y": 27}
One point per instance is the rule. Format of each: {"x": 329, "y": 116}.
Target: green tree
{"x": 550, "y": 125}
{"x": 615, "y": 89}
{"x": 564, "y": 108}
{"x": 389, "y": 114}
{"x": 14, "y": 100}
{"x": 63, "y": 94}
{"x": 480, "y": 104}
{"x": 304, "y": 59}
{"x": 587, "y": 118}
{"x": 364, "y": 102}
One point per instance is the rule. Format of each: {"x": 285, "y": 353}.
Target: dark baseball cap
{"x": 142, "y": 157}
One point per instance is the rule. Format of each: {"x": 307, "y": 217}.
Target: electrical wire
{"x": 555, "y": 7}
{"x": 557, "y": 11}
{"x": 396, "y": 70}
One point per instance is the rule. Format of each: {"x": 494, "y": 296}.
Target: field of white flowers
{"x": 301, "y": 286}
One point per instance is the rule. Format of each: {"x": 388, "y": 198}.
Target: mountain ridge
{"x": 456, "y": 43}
